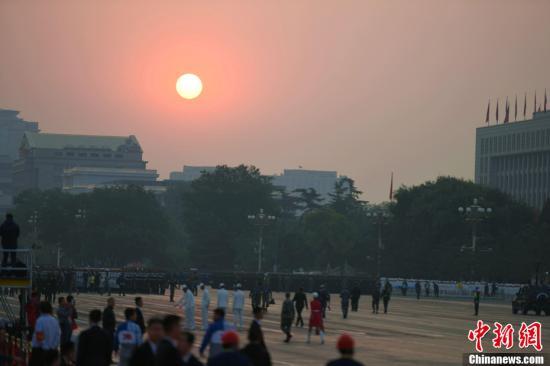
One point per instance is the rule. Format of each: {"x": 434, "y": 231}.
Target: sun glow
{"x": 189, "y": 86}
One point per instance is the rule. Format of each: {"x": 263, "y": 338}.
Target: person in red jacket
{"x": 32, "y": 310}
{"x": 316, "y": 318}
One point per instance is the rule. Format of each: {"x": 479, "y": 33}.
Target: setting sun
{"x": 189, "y": 86}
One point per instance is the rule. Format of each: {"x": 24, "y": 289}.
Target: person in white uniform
{"x": 187, "y": 302}
{"x": 205, "y": 303}
{"x": 238, "y": 306}
{"x": 223, "y": 297}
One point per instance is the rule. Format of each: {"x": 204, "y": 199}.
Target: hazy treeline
{"x": 204, "y": 224}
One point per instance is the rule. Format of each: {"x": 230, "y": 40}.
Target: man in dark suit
{"x": 255, "y": 331}
{"x": 185, "y": 346}
{"x": 145, "y": 354}
{"x": 94, "y": 344}
{"x": 167, "y": 352}
{"x": 139, "y": 315}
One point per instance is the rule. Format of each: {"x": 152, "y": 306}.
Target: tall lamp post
{"x": 474, "y": 214}
{"x": 379, "y": 218}
{"x": 261, "y": 220}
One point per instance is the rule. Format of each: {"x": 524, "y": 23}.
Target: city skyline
{"x": 281, "y": 88}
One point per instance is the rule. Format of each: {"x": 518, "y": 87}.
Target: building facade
{"x": 45, "y": 157}
{"x": 12, "y": 128}
{"x": 322, "y": 181}
{"x": 85, "y": 179}
{"x": 515, "y": 158}
{"x": 190, "y": 173}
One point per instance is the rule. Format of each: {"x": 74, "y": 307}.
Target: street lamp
{"x": 33, "y": 220}
{"x": 474, "y": 214}
{"x": 261, "y": 220}
{"x": 379, "y": 218}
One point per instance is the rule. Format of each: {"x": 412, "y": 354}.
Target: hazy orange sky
{"x": 362, "y": 87}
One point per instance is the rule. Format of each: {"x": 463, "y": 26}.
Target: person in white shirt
{"x": 46, "y": 334}
{"x": 188, "y": 303}
{"x": 238, "y": 306}
{"x": 205, "y": 303}
{"x": 222, "y": 296}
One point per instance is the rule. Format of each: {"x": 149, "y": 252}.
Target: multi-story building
{"x": 12, "y": 128}
{"x": 84, "y": 179}
{"x": 322, "y": 181}
{"x": 515, "y": 158}
{"x": 190, "y": 173}
{"x": 45, "y": 158}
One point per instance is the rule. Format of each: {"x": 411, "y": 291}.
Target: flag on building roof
{"x": 391, "y": 187}
{"x": 525, "y": 106}
{"x": 506, "y": 111}
{"x": 497, "y": 111}
{"x": 516, "y": 109}
{"x": 488, "y": 110}
{"x": 545, "y": 100}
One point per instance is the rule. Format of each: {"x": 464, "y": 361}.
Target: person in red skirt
{"x": 316, "y": 319}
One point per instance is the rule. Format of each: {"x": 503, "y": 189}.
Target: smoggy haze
{"x": 362, "y": 87}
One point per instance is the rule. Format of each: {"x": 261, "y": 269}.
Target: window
{"x": 82, "y": 155}
{"x": 118, "y": 156}
{"x": 94, "y": 155}
{"x": 70, "y": 153}
{"x": 107, "y": 155}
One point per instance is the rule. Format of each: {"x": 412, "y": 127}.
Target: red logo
{"x": 504, "y": 336}
{"x": 477, "y": 334}
{"x": 528, "y": 335}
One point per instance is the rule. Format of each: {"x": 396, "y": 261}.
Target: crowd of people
{"x": 170, "y": 340}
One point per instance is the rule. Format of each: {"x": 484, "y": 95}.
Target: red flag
{"x": 545, "y": 100}
{"x": 516, "y": 109}
{"x": 488, "y": 110}
{"x": 506, "y": 112}
{"x": 535, "y": 105}
{"x": 497, "y": 111}
{"x": 525, "y": 106}
{"x": 391, "y": 187}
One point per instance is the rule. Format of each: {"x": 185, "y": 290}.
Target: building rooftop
{"x": 63, "y": 141}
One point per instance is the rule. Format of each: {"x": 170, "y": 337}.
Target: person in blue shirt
{"x": 127, "y": 337}
{"x": 213, "y": 335}
{"x": 46, "y": 336}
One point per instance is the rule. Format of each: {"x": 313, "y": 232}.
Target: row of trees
{"x": 205, "y": 224}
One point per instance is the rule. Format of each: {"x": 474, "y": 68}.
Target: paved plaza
{"x": 415, "y": 332}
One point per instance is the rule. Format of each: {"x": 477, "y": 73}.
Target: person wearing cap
{"x": 214, "y": 333}
{"x": 316, "y": 318}
{"x": 346, "y": 347}
{"x": 238, "y": 306}
{"x": 205, "y": 303}
{"x": 230, "y": 356}
{"x": 187, "y": 302}
{"x": 223, "y": 297}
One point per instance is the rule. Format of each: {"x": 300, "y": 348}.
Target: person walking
{"x": 139, "y": 314}
{"x": 355, "y": 295}
{"x": 109, "y": 320}
{"x": 213, "y": 334}
{"x": 344, "y": 302}
{"x": 386, "y": 295}
{"x": 121, "y": 282}
{"x": 324, "y": 298}
{"x": 256, "y": 296}
{"x": 287, "y": 317}
{"x": 404, "y": 287}
{"x": 418, "y": 289}
{"x": 477, "y": 297}
{"x": 64, "y": 313}
{"x": 376, "y": 298}
{"x": 46, "y": 336}
{"x": 127, "y": 337}
{"x": 300, "y": 301}
{"x": 345, "y": 346}
{"x": 167, "y": 352}
{"x": 427, "y": 288}
{"x": 145, "y": 354}
{"x": 436, "y": 289}
{"x": 172, "y": 288}
{"x": 222, "y": 297}
{"x": 9, "y": 231}
{"x": 316, "y": 319}
{"x": 238, "y": 307}
{"x": 255, "y": 330}
{"x": 94, "y": 344}
{"x": 187, "y": 303}
{"x": 205, "y": 303}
